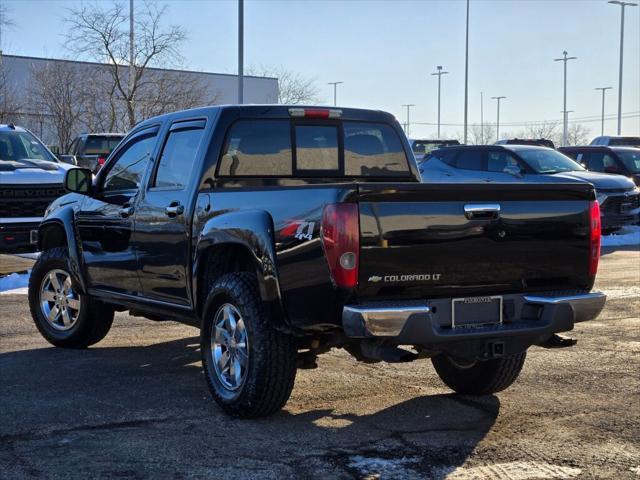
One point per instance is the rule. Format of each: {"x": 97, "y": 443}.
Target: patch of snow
{"x": 510, "y": 470}
{"x": 629, "y": 235}
{"x": 382, "y": 468}
{"x": 14, "y": 280}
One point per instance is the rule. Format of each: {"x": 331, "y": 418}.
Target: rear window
{"x": 624, "y": 142}
{"x": 101, "y": 145}
{"x": 373, "y": 150}
{"x": 258, "y": 147}
{"x": 469, "y": 160}
{"x": 264, "y": 148}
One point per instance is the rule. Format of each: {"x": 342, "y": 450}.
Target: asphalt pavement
{"x": 136, "y": 406}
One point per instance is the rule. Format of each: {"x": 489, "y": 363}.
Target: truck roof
{"x": 273, "y": 111}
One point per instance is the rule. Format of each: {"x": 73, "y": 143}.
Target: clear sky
{"x": 385, "y": 50}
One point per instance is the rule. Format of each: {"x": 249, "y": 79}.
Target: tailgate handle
{"x": 480, "y": 211}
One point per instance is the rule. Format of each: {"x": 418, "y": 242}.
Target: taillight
{"x": 341, "y": 240}
{"x": 315, "y": 112}
{"x": 594, "y": 237}
{"x": 101, "y": 160}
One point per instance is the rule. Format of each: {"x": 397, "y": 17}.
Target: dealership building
{"x": 19, "y": 79}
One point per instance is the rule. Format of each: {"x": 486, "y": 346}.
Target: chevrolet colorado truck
{"x": 282, "y": 232}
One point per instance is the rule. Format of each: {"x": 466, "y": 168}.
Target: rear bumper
{"x": 429, "y": 322}
{"x": 19, "y": 234}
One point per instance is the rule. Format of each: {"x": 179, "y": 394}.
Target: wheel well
{"x": 52, "y": 236}
{"x": 220, "y": 260}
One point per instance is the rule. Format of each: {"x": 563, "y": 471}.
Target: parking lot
{"x": 136, "y": 406}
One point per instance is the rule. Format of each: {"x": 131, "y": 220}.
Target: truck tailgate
{"x": 426, "y": 241}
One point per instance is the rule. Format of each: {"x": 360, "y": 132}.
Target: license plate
{"x": 33, "y": 236}
{"x": 626, "y": 207}
{"x": 476, "y": 311}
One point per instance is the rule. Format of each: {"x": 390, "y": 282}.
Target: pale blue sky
{"x": 385, "y": 50}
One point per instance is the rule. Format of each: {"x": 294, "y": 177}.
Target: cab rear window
{"x": 276, "y": 148}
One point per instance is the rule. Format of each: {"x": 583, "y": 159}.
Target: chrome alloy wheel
{"x": 59, "y": 303}
{"x": 229, "y": 347}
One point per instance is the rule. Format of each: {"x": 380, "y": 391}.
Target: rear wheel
{"x": 481, "y": 377}
{"x": 250, "y": 366}
{"x": 64, "y": 317}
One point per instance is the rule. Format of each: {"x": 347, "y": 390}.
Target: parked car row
{"x": 613, "y": 170}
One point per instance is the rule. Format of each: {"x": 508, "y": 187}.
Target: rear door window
{"x": 257, "y": 148}
{"x": 373, "y": 150}
{"x": 317, "y": 149}
{"x": 178, "y": 156}
{"x": 469, "y": 160}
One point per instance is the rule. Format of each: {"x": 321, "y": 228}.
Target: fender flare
{"x": 64, "y": 218}
{"x": 253, "y": 230}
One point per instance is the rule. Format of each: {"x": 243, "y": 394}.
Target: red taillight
{"x": 594, "y": 237}
{"x": 341, "y": 239}
{"x": 315, "y": 112}
{"x": 101, "y": 160}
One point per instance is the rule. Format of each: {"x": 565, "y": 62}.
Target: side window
{"x": 257, "y": 147}
{"x": 178, "y": 158}
{"x": 317, "y": 148}
{"x": 128, "y": 170}
{"x": 469, "y": 160}
{"x": 498, "y": 161}
{"x": 374, "y": 150}
{"x": 596, "y": 162}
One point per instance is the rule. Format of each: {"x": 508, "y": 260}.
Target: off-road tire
{"x": 94, "y": 320}
{"x": 482, "y": 377}
{"x": 271, "y": 370}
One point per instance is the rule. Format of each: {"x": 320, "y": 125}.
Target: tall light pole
{"x": 604, "y": 89}
{"x": 335, "y": 92}
{"x": 564, "y": 59}
{"x": 131, "y": 50}
{"x": 622, "y": 5}
{"x": 566, "y": 117}
{"x": 481, "y": 118}
{"x": 408, "y": 106}
{"x": 240, "y": 51}
{"x": 498, "y": 119}
{"x": 466, "y": 76}
{"x": 439, "y": 73}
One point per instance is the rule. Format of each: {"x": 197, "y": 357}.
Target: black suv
{"x": 282, "y": 232}
{"x": 621, "y": 160}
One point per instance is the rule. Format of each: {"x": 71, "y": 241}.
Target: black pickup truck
{"x": 282, "y": 232}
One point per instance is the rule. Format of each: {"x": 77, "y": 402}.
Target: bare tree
{"x": 101, "y": 33}
{"x": 293, "y": 88}
{"x": 57, "y": 90}
{"x": 481, "y": 136}
{"x": 9, "y": 104}
{"x": 549, "y": 130}
{"x": 578, "y": 134}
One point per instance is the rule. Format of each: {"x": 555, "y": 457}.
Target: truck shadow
{"x": 150, "y": 407}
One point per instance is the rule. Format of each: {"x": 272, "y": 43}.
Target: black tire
{"x": 268, "y": 379}
{"x": 480, "y": 378}
{"x": 94, "y": 318}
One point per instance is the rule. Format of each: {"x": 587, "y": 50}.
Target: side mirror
{"x": 71, "y": 159}
{"x": 79, "y": 180}
{"x": 513, "y": 170}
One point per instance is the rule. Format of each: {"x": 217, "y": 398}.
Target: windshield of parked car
{"x": 545, "y": 160}
{"x": 624, "y": 142}
{"x": 15, "y": 145}
{"x": 631, "y": 160}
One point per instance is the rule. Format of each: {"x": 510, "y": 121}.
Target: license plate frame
{"x": 486, "y": 303}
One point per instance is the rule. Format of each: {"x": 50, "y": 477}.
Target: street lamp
{"x": 498, "y": 119}
{"x": 564, "y": 59}
{"x": 408, "y": 105}
{"x": 604, "y": 89}
{"x": 566, "y": 117}
{"x": 622, "y": 5}
{"x": 240, "y": 51}
{"x": 439, "y": 73}
{"x": 466, "y": 76}
{"x": 335, "y": 91}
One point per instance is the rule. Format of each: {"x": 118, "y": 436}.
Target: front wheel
{"x": 250, "y": 366}
{"x": 64, "y": 317}
{"x": 481, "y": 377}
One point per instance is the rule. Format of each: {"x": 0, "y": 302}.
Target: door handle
{"x": 174, "y": 209}
{"x": 482, "y": 211}
{"x": 126, "y": 212}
